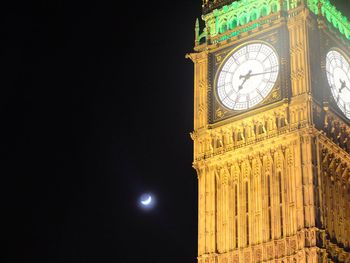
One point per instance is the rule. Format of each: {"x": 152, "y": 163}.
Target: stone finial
{"x": 196, "y": 30}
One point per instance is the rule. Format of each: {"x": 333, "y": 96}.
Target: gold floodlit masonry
{"x": 272, "y": 131}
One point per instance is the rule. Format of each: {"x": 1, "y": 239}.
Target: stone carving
{"x": 298, "y": 137}
{"x": 258, "y": 255}
{"x": 269, "y": 252}
{"x": 293, "y": 245}
{"x": 280, "y": 250}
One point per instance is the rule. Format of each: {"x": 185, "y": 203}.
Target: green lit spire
{"x": 196, "y": 30}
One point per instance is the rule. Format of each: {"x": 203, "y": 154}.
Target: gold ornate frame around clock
{"x": 217, "y": 111}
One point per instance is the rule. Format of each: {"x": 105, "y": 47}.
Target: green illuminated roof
{"x": 228, "y": 18}
{"x": 332, "y": 15}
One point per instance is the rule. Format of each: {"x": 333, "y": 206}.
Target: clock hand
{"x": 262, "y": 73}
{"x": 241, "y": 86}
{"x": 249, "y": 74}
{"x": 343, "y": 85}
{"x": 246, "y": 77}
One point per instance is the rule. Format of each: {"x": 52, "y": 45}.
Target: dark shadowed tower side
{"x": 272, "y": 131}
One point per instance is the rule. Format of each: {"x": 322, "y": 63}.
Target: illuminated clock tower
{"x": 272, "y": 131}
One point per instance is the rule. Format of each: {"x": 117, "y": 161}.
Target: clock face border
{"x": 275, "y": 38}
{"x": 331, "y": 40}
{"x": 344, "y": 112}
{"x": 223, "y": 64}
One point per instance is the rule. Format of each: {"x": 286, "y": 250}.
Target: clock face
{"x": 247, "y": 76}
{"x": 338, "y": 75}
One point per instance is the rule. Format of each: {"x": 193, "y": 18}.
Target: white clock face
{"x": 338, "y": 75}
{"x": 247, "y": 76}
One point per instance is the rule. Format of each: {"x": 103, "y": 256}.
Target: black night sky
{"x": 96, "y": 106}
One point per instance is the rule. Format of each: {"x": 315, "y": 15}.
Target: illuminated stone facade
{"x": 273, "y": 180}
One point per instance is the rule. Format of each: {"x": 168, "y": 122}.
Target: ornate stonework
{"x": 274, "y": 181}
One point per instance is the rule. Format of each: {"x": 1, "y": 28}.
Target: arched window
{"x": 233, "y": 23}
{"x": 254, "y": 15}
{"x": 223, "y": 26}
{"x": 239, "y": 136}
{"x": 260, "y": 129}
{"x": 247, "y": 211}
{"x": 269, "y": 206}
{"x": 236, "y": 216}
{"x": 274, "y": 8}
{"x": 281, "y": 200}
{"x": 243, "y": 20}
{"x": 264, "y": 11}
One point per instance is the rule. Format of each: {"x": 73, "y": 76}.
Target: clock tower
{"x": 272, "y": 131}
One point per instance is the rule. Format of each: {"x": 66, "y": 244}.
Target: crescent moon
{"x": 148, "y": 201}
